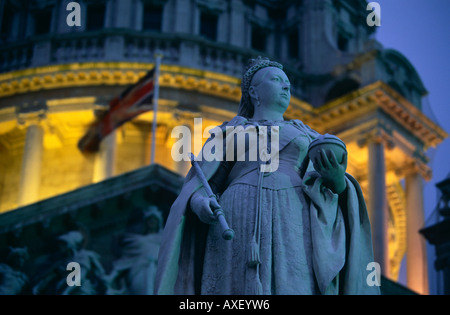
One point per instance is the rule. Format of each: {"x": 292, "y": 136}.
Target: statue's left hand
{"x": 332, "y": 172}
{"x": 204, "y": 207}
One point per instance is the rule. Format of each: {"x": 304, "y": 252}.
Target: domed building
{"x": 57, "y": 77}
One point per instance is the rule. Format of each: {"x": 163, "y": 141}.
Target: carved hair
{"x": 246, "y": 108}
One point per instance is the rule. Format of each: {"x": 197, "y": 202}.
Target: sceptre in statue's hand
{"x": 218, "y": 214}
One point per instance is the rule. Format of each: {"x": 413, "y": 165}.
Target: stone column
{"x": 31, "y": 116}
{"x": 184, "y": 137}
{"x": 181, "y": 167}
{"x": 30, "y": 177}
{"x": 123, "y": 14}
{"x": 183, "y": 17}
{"x": 237, "y": 24}
{"x": 316, "y": 39}
{"x": 378, "y": 206}
{"x": 416, "y": 258}
{"x": 106, "y": 157}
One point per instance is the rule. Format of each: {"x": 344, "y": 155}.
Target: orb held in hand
{"x": 327, "y": 142}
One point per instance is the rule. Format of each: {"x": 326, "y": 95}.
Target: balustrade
{"x": 132, "y": 46}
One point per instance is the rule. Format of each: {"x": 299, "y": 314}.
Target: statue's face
{"x": 272, "y": 87}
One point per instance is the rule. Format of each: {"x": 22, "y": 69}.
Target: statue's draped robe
{"x": 306, "y": 239}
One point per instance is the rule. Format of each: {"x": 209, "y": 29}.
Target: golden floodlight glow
{"x": 112, "y": 73}
{"x": 72, "y": 101}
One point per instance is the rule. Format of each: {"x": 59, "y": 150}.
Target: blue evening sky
{"x": 420, "y": 30}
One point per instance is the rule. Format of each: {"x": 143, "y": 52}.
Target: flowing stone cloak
{"x": 340, "y": 233}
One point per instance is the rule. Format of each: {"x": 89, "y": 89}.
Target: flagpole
{"x": 158, "y": 57}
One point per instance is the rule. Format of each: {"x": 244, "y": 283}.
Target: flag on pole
{"x": 135, "y": 100}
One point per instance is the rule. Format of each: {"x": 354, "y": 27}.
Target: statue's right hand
{"x": 202, "y": 207}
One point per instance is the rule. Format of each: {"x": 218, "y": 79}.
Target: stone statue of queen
{"x": 299, "y": 228}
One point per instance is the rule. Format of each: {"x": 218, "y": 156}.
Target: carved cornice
{"x": 377, "y": 134}
{"x": 408, "y": 115}
{"x": 373, "y": 131}
{"x": 31, "y": 113}
{"x": 117, "y": 73}
{"x": 416, "y": 166}
{"x": 379, "y": 97}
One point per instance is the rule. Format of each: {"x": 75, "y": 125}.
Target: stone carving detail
{"x": 12, "y": 279}
{"x": 134, "y": 271}
{"x": 54, "y": 276}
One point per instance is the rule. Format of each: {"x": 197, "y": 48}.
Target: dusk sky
{"x": 420, "y": 30}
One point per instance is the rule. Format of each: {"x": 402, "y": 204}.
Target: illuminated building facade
{"x": 55, "y": 78}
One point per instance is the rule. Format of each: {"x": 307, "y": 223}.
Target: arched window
{"x": 259, "y": 38}
{"x": 152, "y": 17}
{"x": 293, "y": 42}
{"x": 208, "y": 25}
{"x": 95, "y": 16}
{"x": 43, "y": 21}
{"x": 6, "y": 22}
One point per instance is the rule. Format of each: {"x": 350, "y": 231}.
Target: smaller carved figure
{"x": 134, "y": 272}
{"x": 92, "y": 274}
